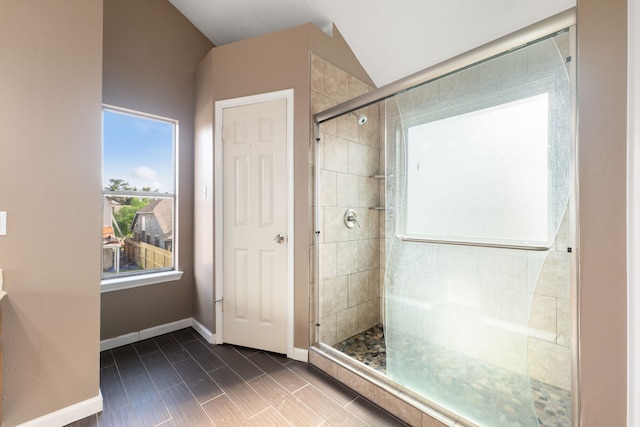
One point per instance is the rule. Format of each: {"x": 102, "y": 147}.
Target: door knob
{"x": 279, "y": 238}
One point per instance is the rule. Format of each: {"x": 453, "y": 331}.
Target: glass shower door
{"x": 477, "y": 283}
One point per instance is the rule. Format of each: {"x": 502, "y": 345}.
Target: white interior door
{"x": 254, "y": 147}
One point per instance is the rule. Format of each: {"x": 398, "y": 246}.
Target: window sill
{"x": 120, "y": 283}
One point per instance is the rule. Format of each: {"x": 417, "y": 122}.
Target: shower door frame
{"x": 548, "y": 27}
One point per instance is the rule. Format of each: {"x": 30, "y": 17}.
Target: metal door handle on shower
{"x": 351, "y": 219}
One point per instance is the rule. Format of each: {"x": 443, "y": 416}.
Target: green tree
{"x": 125, "y": 214}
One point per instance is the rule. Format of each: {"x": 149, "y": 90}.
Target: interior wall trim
{"x": 68, "y": 415}
{"x": 144, "y": 334}
{"x": 203, "y": 331}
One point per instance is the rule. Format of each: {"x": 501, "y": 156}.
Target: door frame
{"x": 218, "y": 210}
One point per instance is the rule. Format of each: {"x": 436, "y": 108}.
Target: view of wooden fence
{"x": 148, "y": 257}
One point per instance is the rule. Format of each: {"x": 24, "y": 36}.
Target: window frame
{"x": 142, "y": 278}
{"x": 479, "y": 101}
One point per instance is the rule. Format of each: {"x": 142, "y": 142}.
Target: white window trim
{"x": 112, "y": 284}
{"x": 134, "y": 281}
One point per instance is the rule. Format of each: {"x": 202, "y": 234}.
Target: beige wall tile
{"x": 554, "y": 277}
{"x": 335, "y": 229}
{"x": 369, "y": 254}
{"x": 343, "y": 258}
{"x": 347, "y": 126}
{"x": 317, "y": 73}
{"x": 347, "y": 324}
{"x": 323, "y": 364}
{"x": 368, "y": 314}
{"x": 564, "y": 322}
{"x": 327, "y": 260}
{"x": 374, "y": 283}
{"x": 336, "y": 154}
{"x": 543, "y": 314}
{"x": 328, "y": 330}
{"x": 319, "y": 102}
{"x": 401, "y": 409}
{"x": 358, "y": 288}
{"x": 330, "y": 127}
{"x": 334, "y": 293}
{"x": 516, "y": 307}
{"x": 336, "y": 83}
{"x": 355, "y": 382}
{"x": 357, "y": 87}
{"x": 367, "y": 192}
{"x": 354, "y": 255}
{"x": 347, "y": 190}
{"x": 368, "y": 133}
{"x": 358, "y": 159}
{"x": 503, "y": 348}
{"x": 328, "y": 188}
{"x": 373, "y": 162}
{"x": 550, "y": 363}
{"x": 373, "y": 226}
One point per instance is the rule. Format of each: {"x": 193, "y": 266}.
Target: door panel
{"x": 255, "y": 211}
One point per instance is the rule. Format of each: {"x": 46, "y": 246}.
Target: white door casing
{"x": 254, "y": 268}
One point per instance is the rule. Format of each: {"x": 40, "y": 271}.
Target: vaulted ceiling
{"x": 391, "y": 39}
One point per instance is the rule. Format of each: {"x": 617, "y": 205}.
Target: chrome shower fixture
{"x": 362, "y": 118}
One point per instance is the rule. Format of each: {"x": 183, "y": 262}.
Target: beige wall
{"x": 602, "y": 97}
{"x": 150, "y": 53}
{"x": 269, "y": 63}
{"x": 50, "y": 97}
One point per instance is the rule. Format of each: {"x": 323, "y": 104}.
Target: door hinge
{"x": 219, "y": 300}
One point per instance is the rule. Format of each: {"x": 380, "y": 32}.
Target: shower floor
{"x": 443, "y": 367}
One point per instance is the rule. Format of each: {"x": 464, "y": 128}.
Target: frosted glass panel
{"x": 490, "y": 162}
{"x": 482, "y": 157}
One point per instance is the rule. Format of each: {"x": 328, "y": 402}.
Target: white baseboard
{"x": 300, "y": 354}
{"x": 144, "y": 334}
{"x": 165, "y": 329}
{"x": 110, "y": 343}
{"x": 68, "y": 415}
{"x": 203, "y": 331}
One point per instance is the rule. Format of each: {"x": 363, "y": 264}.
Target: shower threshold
{"x": 552, "y": 404}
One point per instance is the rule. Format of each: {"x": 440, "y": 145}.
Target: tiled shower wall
{"x": 349, "y": 156}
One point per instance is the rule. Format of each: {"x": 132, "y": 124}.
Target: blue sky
{"x": 138, "y": 150}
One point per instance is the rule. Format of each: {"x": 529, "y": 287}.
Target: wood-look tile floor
{"x": 178, "y": 379}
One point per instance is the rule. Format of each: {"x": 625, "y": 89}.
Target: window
{"x": 481, "y": 176}
{"x": 139, "y": 198}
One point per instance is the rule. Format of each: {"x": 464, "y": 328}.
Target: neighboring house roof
{"x": 162, "y": 210}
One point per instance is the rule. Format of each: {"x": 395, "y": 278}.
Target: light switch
{"x": 3, "y": 223}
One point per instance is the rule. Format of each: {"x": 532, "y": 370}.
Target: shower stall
{"x": 444, "y": 239}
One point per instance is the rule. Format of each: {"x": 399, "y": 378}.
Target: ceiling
{"x": 391, "y": 39}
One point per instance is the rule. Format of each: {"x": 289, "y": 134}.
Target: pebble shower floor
{"x": 492, "y": 388}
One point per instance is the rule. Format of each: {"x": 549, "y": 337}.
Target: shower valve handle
{"x": 350, "y": 219}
